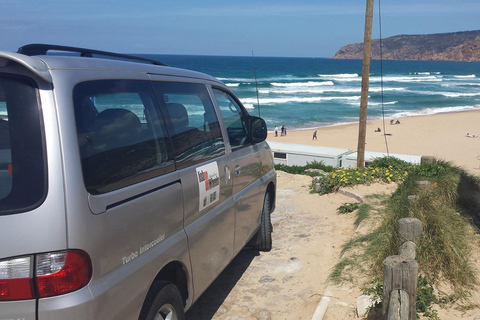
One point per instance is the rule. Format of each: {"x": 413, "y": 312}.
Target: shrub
{"x": 382, "y": 170}
{"x": 348, "y": 207}
{"x": 302, "y": 169}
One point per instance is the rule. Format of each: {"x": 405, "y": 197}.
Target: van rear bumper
{"x": 14, "y": 310}
{"x": 77, "y": 305}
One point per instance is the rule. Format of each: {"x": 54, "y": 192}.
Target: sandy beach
{"x": 441, "y": 135}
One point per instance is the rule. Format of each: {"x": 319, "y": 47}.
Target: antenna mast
{"x": 256, "y": 84}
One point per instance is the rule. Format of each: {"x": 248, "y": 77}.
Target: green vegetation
{"x": 382, "y": 169}
{"x": 448, "y": 239}
{"x": 348, "y": 207}
{"x": 426, "y": 296}
{"x": 303, "y": 169}
{"x": 440, "y": 195}
{"x": 362, "y": 213}
{"x": 387, "y": 169}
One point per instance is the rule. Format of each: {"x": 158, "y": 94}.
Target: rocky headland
{"x": 455, "y": 46}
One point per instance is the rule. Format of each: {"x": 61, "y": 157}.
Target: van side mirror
{"x": 257, "y": 129}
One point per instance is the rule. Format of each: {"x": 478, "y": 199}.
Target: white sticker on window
{"x": 208, "y": 185}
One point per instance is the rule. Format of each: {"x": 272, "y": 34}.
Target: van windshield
{"x": 22, "y": 164}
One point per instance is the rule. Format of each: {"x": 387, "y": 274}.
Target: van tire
{"x": 163, "y": 300}
{"x": 264, "y": 233}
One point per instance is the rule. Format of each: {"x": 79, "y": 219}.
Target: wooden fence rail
{"x": 401, "y": 274}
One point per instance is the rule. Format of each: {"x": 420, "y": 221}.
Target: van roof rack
{"x": 42, "y": 49}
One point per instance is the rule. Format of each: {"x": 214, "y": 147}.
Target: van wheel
{"x": 264, "y": 233}
{"x": 163, "y": 302}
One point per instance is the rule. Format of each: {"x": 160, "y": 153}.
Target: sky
{"x": 281, "y": 28}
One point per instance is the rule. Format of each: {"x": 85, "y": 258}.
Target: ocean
{"x": 316, "y": 92}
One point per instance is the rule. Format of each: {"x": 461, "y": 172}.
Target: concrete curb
{"x": 323, "y": 305}
{"x": 351, "y": 195}
{"x": 328, "y": 295}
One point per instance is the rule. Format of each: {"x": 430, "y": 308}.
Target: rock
{"x": 364, "y": 302}
{"x": 266, "y": 279}
{"x": 290, "y": 267}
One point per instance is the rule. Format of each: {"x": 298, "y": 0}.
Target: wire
{"x": 381, "y": 75}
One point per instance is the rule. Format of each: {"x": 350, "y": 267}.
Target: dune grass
{"x": 448, "y": 239}
{"x": 445, "y": 199}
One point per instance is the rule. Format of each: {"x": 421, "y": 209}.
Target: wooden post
{"x": 367, "y": 44}
{"x": 410, "y": 229}
{"x": 398, "y": 305}
{"x": 427, "y": 159}
{"x": 408, "y": 249}
{"x": 400, "y": 273}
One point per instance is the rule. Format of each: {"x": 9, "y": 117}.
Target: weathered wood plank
{"x": 400, "y": 273}
{"x": 408, "y": 249}
{"x": 410, "y": 229}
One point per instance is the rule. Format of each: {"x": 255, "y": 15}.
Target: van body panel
{"x": 248, "y": 193}
{"x": 18, "y": 310}
{"x": 210, "y": 231}
{"x": 76, "y": 305}
{"x": 33, "y": 64}
{"x": 129, "y": 244}
{"x": 131, "y": 281}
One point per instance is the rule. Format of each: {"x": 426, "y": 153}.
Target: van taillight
{"x": 55, "y": 273}
{"x": 16, "y": 281}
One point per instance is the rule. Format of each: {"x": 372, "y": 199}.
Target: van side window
{"x": 233, "y": 117}
{"x": 122, "y": 138}
{"x": 191, "y": 122}
{"x": 23, "y": 169}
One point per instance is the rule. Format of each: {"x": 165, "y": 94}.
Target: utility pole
{"x": 367, "y": 43}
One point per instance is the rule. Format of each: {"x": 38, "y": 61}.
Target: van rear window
{"x": 22, "y": 161}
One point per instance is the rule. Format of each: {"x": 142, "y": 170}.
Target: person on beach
{"x": 283, "y": 131}
{"x": 314, "y": 135}
{"x": 378, "y": 130}
{"x": 276, "y": 131}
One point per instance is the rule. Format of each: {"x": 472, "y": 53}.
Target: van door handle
{"x": 237, "y": 170}
{"x": 227, "y": 175}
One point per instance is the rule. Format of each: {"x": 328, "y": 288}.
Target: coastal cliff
{"x": 456, "y": 46}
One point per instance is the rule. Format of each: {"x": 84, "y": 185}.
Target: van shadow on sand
{"x": 211, "y": 300}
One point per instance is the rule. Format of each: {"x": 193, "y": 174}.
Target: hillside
{"x": 456, "y": 46}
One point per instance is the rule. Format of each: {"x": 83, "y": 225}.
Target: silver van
{"x": 126, "y": 187}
